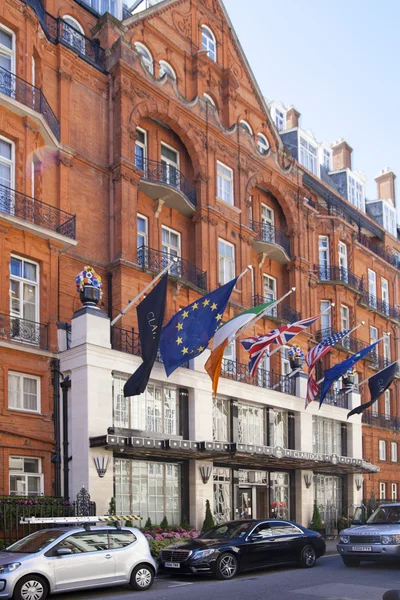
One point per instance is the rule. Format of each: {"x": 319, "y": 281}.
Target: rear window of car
{"x": 121, "y": 539}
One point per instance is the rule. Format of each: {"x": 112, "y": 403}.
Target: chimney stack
{"x": 292, "y": 118}
{"x": 385, "y": 185}
{"x": 341, "y": 155}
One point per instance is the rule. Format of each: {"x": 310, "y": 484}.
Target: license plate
{"x": 172, "y": 565}
{"x": 361, "y": 549}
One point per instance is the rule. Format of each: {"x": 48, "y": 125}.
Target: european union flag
{"x": 377, "y": 384}
{"x": 189, "y": 331}
{"x": 333, "y": 374}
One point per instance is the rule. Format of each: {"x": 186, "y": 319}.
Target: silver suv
{"x": 63, "y": 559}
{"x": 377, "y": 539}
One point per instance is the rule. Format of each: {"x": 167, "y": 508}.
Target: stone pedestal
{"x": 301, "y": 384}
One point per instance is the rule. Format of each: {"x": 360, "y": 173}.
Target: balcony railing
{"x": 339, "y": 399}
{"x": 380, "y": 306}
{"x": 38, "y": 213}
{"x": 352, "y": 344}
{"x": 271, "y": 235}
{"x": 381, "y": 252}
{"x": 336, "y": 274}
{"x": 58, "y": 31}
{"x": 282, "y": 312}
{"x": 168, "y": 175}
{"x": 127, "y": 340}
{"x": 154, "y": 260}
{"x": 383, "y": 421}
{"x": 20, "y": 90}
{"x": 236, "y": 371}
{"x": 14, "y": 329}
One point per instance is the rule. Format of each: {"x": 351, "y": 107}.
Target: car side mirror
{"x": 64, "y": 551}
{"x": 255, "y": 537}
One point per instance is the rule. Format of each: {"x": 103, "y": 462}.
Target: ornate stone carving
{"x": 64, "y": 158}
{"x": 246, "y": 237}
{"x": 182, "y": 23}
{"x": 157, "y": 206}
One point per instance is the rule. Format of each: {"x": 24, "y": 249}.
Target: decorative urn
{"x": 349, "y": 379}
{"x": 296, "y": 357}
{"x": 89, "y": 286}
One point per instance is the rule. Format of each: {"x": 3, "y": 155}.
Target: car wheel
{"x": 227, "y": 566}
{"x": 142, "y": 578}
{"x": 31, "y": 587}
{"x": 308, "y": 557}
{"x": 350, "y": 562}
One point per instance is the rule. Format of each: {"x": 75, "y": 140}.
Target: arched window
{"x": 73, "y": 34}
{"x": 208, "y": 42}
{"x": 210, "y": 100}
{"x": 146, "y": 56}
{"x": 165, "y": 68}
{"x": 262, "y": 144}
{"x": 246, "y": 127}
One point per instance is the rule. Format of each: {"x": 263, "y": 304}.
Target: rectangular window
{"x": 343, "y": 262}
{"x": 324, "y": 259}
{"x": 142, "y": 239}
{"x": 326, "y": 319}
{"x": 6, "y": 174}
{"x": 226, "y": 254}
{"x": 327, "y": 159}
{"x": 327, "y": 436}
{"x": 251, "y": 421}
{"x": 279, "y": 120}
{"x": 24, "y": 300}
{"x": 345, "y": 323}
{"x": 268, "y": 223}
{"x": 222, "y": 494}
{"x": 385, "y": 295}
{"x": 171, "y": 246}
{"x": 224, "y": 183}
{"x": 278, "y": 428}
{"x": 149, "y": 489}
{"x": 221, "y": 420}
{"x": 372, "y": 288}
{"x": 394, "y": 451}
{"x": 382, "y": 450}
{"x": 387, "y": 405}
{"x": 394, "y": 491}
{"x": 26, "y": 477}
{"x": 373, "y": 337}
{"x": 170, "y": 165}
{"x": 386, "y": 349}
{"x": 382, "y": 490}
{"x": 356, "y": 194}
{"x": 23, "y": 392}
{"x": 308, "y": 156}
{"x": 141, "y": 149}
{"x": 389, "y": 219}
{"x": 7, "y": 61}
{"x": 270, "y": 292}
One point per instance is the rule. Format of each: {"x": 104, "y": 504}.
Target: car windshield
{"x": 228, "y": 531}
{"x": 36, "y": 541}
{"x": 385, "y": 515}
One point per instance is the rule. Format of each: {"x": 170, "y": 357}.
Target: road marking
{"x": 176, "y": 584}
{"x": 328, "y": 556}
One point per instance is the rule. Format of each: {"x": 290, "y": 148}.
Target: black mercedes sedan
{"x": 244, "y": 545}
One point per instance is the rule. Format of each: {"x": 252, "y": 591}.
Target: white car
{"x": 68, "y": 559}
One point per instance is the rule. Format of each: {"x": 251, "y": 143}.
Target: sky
{"x": 338, "y": 64}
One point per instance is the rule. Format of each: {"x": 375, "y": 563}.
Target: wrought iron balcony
{"x": 33, "y": 211}
{"x": 15, "y": 329}
{"x": 352, "y": 344}
{"x": 379, "y": 420}
{"x": 339, "y": 399}
{"x": 379, "y": 251}
{"x": 154, "y": 260}
{"x": 282, "y": 312}
{"x": 162, "y": 181}
{"x": 27, "y": 94}
{"x": 232, "y": 369}
{"x": 339, "y": 275}
{"x": 384, "y": 308}
{"x": 128, "y": 341}
{"x": 272, "y": 241}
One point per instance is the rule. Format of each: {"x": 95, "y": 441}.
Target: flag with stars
{"x": 189, "y": 331}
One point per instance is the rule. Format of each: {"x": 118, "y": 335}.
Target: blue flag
{"x": 333, "y": 374}
{"x": 150, "y": 313}
{"x": 377, "y": 384}
{"x": 189, "y": 331}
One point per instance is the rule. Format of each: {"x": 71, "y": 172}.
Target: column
{"x": 199, "y": 491}
{"x": 304, "y": 497}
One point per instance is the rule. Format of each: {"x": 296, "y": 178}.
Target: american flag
{"x": 313, "y": 356}
{"x": 257, "y": 346}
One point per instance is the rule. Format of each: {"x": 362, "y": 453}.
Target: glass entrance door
{"x": 279, "y": 499}
{"x": 328, "y": 494}
{"x": 245, "y": 504}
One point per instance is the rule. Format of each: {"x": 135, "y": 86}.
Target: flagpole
{"x": 148, "y": 286}
{"x": 368, "y": 378}
{"x": 248, "y": 268}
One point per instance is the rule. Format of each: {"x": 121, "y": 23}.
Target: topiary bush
{"x": 208, "y": 522}
{"x": 111, "y": 507}
{"x": 148, "y": 524}
{"x": 185, "y": 523}
{"x": 164, "y": 523}
{"x": 316, "y": 521}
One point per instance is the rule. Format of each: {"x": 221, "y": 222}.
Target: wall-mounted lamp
{"x": 101, "y": 465}
{"x": 308, "y": 480}
{"x": 205, "y": 472}
{"x": 359, "y": 483}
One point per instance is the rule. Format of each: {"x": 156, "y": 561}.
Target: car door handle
{"x": 107, "y": 556}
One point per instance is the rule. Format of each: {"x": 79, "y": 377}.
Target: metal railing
{"x": 339, "y": 399}
{"x": 352, "y": 344}
{"x": 380, "y": 305}
{"x": 58, "y": 31}
{"x": 379, "y": 420}
{"x": 161, "y": 172}
{"x": 34, "y": 211}
{"x": 156, "y": 260}
{"x": 334, "y": 273}
{"x": 15, "y": 329}
{"x": 282, "y": 312}
{"x": 268, "y": 233}
{"x": 20, "y": 90}
{"x": 381, "y": 252}
{"x": 236, "y": 371}
{"x": 128, "y": 341}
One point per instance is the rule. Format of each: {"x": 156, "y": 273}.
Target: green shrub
{"x": 164, "y": 523}
{"x": 148, "y": 524}
{"x": 208, "y": 522}
{"x": 316, "y": 521}
{"x": 185, "y": 523}
{"x": 157, "y": 545}
{"x": 111, "y": 507}
{"x": 128, "y": 523}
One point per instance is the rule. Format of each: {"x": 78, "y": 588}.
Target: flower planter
{"x": 90, "y": 295}
{"x": 89, "y": 286}
{"x": 349, "y": 381}
{"x": 296, "y": 362}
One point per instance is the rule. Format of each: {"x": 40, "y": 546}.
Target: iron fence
{"x": 128, "y": 340}
{"x": 236, "y": 371}
{"x": 156, "y": 260}
{"x": 336, "y": 398}
{"x": 18, "y": 89}
{"x": 335, "y": 274}
{"x": 282, "y": 312}
{"x": 164, "y": 173}
{"x": 380, "y": 305}
{"x": 382, "y": 421}
{"x": 270, "y": 234}
{"x": 15, "y": 329}
{"x": 34, "y": 211}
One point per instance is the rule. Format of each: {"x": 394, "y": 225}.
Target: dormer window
{"x": 389, "y": 219}
{"x": 208, "y": 42}
{"x": 210, "y": 100}
{"x": 145, "y": 56}
{"x": 308, "y": 156}
{"x": 166, "y": 69}
{"x": 356, "y": 193}
{"x": 246, "y": 127}
{"x": 279, "y": 120}
{"x": 262, "y": 144}
{"x": 327, "y": 159}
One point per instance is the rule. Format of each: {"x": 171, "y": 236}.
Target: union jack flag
{"x": 257, "y": 346}
{"x": 312, "y": 390}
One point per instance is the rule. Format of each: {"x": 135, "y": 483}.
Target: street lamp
{"x": 359, "y": 482}
{"x": 205, "y": 472}
{"x": 308, "y": 480}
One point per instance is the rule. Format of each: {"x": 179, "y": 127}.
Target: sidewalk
{"x": 331, "y": 546}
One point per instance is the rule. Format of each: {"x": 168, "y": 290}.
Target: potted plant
{"x": 317, "y": 523}
{"x": 89, "y": 286}
{"x": 296, "y": 357}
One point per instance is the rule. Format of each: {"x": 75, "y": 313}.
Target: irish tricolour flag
{"x": 227, "y": 333}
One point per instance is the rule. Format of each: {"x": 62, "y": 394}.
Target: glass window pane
{"x": 5, "y": 39}
{"x": 29, "y": 271}
{"x": 16, "y": 267}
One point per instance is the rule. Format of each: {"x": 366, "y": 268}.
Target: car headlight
{"x": 387, "y": 539}
{"x": 203, "y": 553}
{"x": 344, "y": 539}
{"x": 9, "y": 568}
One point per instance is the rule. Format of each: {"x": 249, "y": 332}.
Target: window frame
{"x": 385, "y": 295}
{"x": 262, "y": 142}
{"x": 9, "y": 162}
{"x": 148, "y": 61}
{"x": 23, "y": 376}
{"x": 382, "y": 450}
{"x": 246, "y": 126}
{"x": 169, "y": 71}
{"x": 394, "y": 456}
{"x": 308, "y": 155}
{"x": 39, "y": 475}
{"x": 225, "y": 258}
{"x": 211, "y": 53}
{"x": 21, "y": 281}
{"x": 382, "y": 490}
{"x": 393, "y": 488}
{"x": 141, "y": 145}
{"x": 77, "y": 43}
{"x": 223, "y": 177}
{"x": 387, "y": 405}
{"x": 7, "y": 51}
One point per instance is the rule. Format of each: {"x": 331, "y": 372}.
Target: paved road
{"x": 329, "y": 580}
